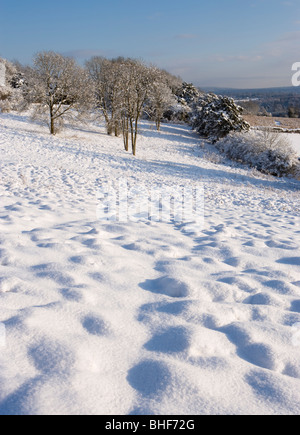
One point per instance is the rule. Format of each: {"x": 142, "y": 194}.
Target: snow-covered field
{"x": 143, "y": 317}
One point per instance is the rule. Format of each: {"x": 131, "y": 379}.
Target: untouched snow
{"x": 143, "y": 318}
{"x": 295, "y": 141}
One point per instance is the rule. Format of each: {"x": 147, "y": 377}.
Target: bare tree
{"x": 137, "y": 80}
{"x": 124, "y": 89}
{"x": 161, "y": 97}
{"x": 60, "y": 87}
{"x": 106, "y": 79}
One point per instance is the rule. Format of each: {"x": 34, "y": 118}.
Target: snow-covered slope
{"x": 146, "y": 317}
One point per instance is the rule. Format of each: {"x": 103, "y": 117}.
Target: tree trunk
{"x": 134, "y": 137}
{"x": 117, "y": 133}
{"x": 126, "y": 141}
{"x": 158, "y": 124}
{"x": 109, "y": 128}
{"x": 125, "y": 128}
{"x": 134, "y": 146}
{"x": 107, "y": 121}
{"x": 52, "y": 127}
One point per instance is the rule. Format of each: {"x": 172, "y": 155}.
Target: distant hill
{"x": 280, "y": 102}
{"x": 251, "y": 93}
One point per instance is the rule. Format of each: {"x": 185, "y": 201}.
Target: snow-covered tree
{"x": 60, "y": 88}
{"x": 137, "y": 79}
{"x": 214, "y": 117}
{"x": 2, "y": 73}
{"x": 173, "y": 82}
{"x": 136, "y": 82}
{"x": 5, "y": 96}
{"x": 161, "y": 98}
{"x": 106, "y": 79}
{"x": 11, "y": 92}
{"x": 188, "y": 94}
{"x": 126, "y": 89}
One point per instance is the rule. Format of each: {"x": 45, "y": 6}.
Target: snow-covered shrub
{"x": 214, "y": 117}
{"x": 5, "y": 98}
{"x": 177, "y": 114}
{"x": 5, "y": 93}
{"x": 268, "y": 152}
{"x": 18, "y": 80}
{"x": 11, "y": 95}
{"x": 186, "y": 95}
{"x": 212, "y": 157}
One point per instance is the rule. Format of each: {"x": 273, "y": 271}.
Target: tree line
{"x": 121, "y": 90}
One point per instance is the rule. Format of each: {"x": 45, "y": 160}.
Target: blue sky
{"x": 225, "y": 43}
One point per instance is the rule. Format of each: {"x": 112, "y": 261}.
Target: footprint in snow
{"x": 295, "y": 306}
{"x": 233, "y": 261}
{"x": 266, "y": 387}
{"x": 167, "y": 286}
{"x": 5, "y": 258}
{"x": 8, "y": 284}
{"x": 262, "y": 299}
{"x": 49, "y": 245}
{"x": 292, "y": 261}
{"x": 173, "y": 308}
{"x": 50, "y": 271}
{"x": 280, "y": 286}
{"x": 284, "y": 244}
{"x": 91, "y": 243}
{"x": 51, "y": 357}
{"x": 78, "y": 259}
{"x": 292, "y": 370}
{"x": 95, "y": 325}
{"x": 73, "y": 294}
{"x": 149, "y": 378}
{"x": 14, "y": 207}
{"x": 259, "y": 354}
{"x": 172, "y": 340}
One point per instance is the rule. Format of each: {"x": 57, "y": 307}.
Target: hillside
{"x": 148, "y": 317}
{"x": 279, "y": 102}
{"x": 252, "y": 93}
